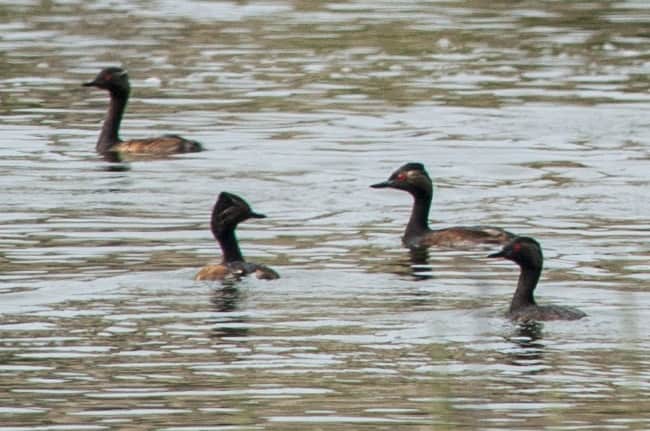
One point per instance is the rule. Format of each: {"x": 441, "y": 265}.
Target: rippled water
{"x": 529, "y": 115}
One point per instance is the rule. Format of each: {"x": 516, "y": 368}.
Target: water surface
{"x": 531, "y": 116}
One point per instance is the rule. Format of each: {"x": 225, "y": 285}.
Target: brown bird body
{"x": 222, "y": 271}
{"x": 217, "y": 271}
{"x": 166, "y": 144}
{"x": 459, "y": 236}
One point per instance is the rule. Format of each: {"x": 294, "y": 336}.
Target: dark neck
{"x": 111, "y": 128}
{"x": 523, "y": 296}
{"x": 229, "y": 246}
{"x": 419, "y": 221}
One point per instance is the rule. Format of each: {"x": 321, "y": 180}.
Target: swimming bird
{"x": 228, "y": 212}
{"x": 116, "y": 81}
{"x": 527, "y": 253}
{"x": 413, "y": 178}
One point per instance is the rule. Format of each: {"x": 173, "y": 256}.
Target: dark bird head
{"x": 411, "y": 177}
{"x": 524, "y": 251}
{"x": 229, "y": 211}
{"x": 113, "y": 79}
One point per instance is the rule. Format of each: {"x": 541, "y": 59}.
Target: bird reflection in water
{"x": 419, "y": 263}
{"x": 227, "y": 299}
{"x": 415, "y": 264}
{"x": 529, "y": 350}
{"x": 116, "y": 162}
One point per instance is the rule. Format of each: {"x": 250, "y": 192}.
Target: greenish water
{"x": 528, "y": 115}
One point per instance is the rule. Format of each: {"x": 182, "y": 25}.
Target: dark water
{"x": 529, "y": 115}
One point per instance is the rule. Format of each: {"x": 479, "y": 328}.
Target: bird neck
{"x": 109, "y": 135}
{"x": 523, "y": 296}
{"x": 229, "y": 246}
{"x": 419, "y": 221}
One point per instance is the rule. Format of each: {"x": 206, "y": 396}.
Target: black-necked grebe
{"x": 116, "y": 81}
{"x": 228, "y": 212}
{"x": 527, "y": 253}
{"x": 413, "y": 178}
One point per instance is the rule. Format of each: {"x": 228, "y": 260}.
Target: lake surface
{"x": 533, "y": 116}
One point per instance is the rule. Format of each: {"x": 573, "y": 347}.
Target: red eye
{"x": 401, "y": 176}
{"x": 108, "y": 76}
{"x": 516, "y": 248}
